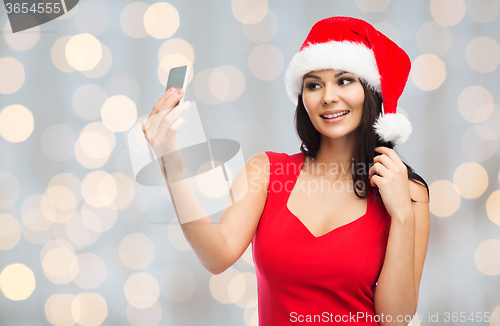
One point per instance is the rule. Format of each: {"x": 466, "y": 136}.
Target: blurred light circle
{"x": 125, "y": 190}
{"x": 177, "y": 284}
{"x": 58, "y": 142}
{"x": 95, "y": 144}
{"x": 83, "y": 51}
{"x": 373, "y": 5}
{"x": 21, "y": 41}
{"x": 88, "y": 150}
{"x": 485, "y": 132}
{"x": 249, "y": 283}
{"x": 99, "y": 219}
{"x": 170, "y": 61}
{"x": 493, "y": 207}
{"x": 428, "y": 72}
{"x": 99, "y": 189}
{"x": 220, "y": 286}
{"x": 58, "y": 309}
{"x": 131, "y": 19}
{"x": 123, "y": 84}
{"x": 161, "y": 20}
{"x": 10, "y": 232}
{"x": 91, "y": 272}
{"x": 475, "y": 101}
{"x": 53, "y": 213}
{"x": 487, "y": 257}
{"x": 483, "y": 54}
{"x": 176, "y": 46}
{"x": 88, "y": 100}
{"x": 119, "y": 113}
{"x": 58, "y": 54}
{"x": 251, "y": 315}
{"x": 17, "y": 282}
{"x": 9, "y": 190}
{"x": 60, "y": 265}
{"x": 226, "y": 83}
{"x": 201, "y": 91}
{"x": 266, "y": 62}
{"x": 264, "y": 31}
{"x": 142, "y": 290}
{"x": 89, "y": 309}
{"x": 16, "y": 123}
{"x": 136, "y": 250}
{"x": 33, "y": 216}
{"x": 445, "y": 198}
{"x": 237, "y": 287}
{"x": 447, "y": 12}
{"x": 103, "y": 66}
{"x": 434, "y": 38}
{"x": 92, "y": 17}
{"x": 12, "y": 75}
{"x": 483, "y": 112}
{"x": 477, "y": 148}
{"x": 62, "y": 197}
{"x": 176, "y": 237}
{"x": 471, "y": 179}
{"x": 79, "y": 233}
{"x": 483, "y": 11}
{"x": 144, "y": 317}
{"x": 249, "y": 11}
{"x": 389, "y": 30}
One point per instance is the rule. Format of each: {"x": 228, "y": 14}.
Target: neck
{"x": 334, "y": 159}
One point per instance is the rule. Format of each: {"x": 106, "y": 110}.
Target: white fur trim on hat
{"x": 393, "y": 127}
{"x": 353, "y": 57}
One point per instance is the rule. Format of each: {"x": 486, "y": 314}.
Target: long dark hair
{"x": 366, "y": 141}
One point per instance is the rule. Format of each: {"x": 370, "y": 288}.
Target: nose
{"x": 330, "y": 94}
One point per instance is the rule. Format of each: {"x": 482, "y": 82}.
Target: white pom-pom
{"x": 393, "y": 127}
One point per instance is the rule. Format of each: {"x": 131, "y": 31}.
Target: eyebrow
{"x": 316, "y": 77}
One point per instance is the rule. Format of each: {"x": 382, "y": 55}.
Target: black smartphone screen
{"x": 176, "y": 77}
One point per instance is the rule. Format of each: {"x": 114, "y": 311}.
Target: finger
{"x": 168, "y": 93}
{"x": 378, "y": 168}
{"x": 171, "y": 117}
{"x": 374, "y": 181}
{"x": 386, "y": 161}
{"x": 172, "y": 100}
{"x": 392, "y": 155}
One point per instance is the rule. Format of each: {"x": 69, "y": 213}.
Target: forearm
{"x": 395, "y": 292}
{"x": 201, "y": 233}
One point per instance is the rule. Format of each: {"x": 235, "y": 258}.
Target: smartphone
{"x": 177, "y": 77}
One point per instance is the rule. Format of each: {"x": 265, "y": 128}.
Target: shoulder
{"x": 258, "y": 168}
{"x": 418, "y": 191}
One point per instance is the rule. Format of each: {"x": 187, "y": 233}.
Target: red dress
{"x": 303, "y": 279}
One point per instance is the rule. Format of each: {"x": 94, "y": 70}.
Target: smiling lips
{"x": 330, "y": 116}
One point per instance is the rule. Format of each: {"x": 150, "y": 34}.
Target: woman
{"x": 352, "y": 251}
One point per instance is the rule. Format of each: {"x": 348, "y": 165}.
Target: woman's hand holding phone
{"x": 162, "y": 125}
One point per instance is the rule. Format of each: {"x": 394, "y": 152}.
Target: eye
{"x": 311, "y": 85}
{"x": 350, "y": 80}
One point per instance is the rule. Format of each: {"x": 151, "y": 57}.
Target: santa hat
{"x": 353, "y": 45}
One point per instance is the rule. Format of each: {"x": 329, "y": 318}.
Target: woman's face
{"x": 336, "y": 91}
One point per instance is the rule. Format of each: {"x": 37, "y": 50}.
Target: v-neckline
{"x": 303, "y": 225}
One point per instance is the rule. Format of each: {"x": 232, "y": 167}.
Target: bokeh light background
{"x": 81, "y": 243}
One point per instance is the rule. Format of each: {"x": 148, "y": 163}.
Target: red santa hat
{"x": 353, "y": 45}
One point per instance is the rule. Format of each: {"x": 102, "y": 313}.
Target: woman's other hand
{"x": 391, "y": 181}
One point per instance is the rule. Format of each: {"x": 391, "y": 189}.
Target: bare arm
{"x": 220, "y": 246}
